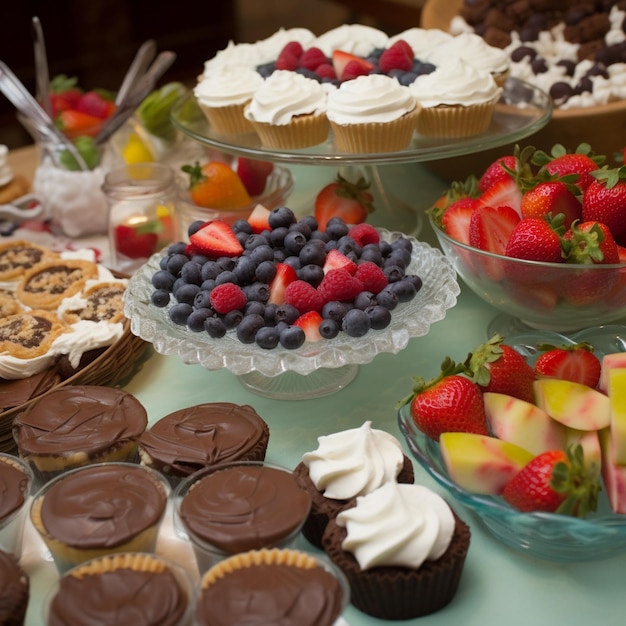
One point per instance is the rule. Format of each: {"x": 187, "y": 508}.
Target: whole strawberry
{"x": 496, "y": 367}
{"x": 352, "y": 202}
{"x": 450, "y": 402}
{"x": 555, "y": 482}
{"x": 605, "y": 201}
{"x": 536, "y": 239}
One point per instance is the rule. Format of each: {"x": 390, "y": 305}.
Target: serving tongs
{"x": 141, "y": 86}
{"x": 42, "y": 72}
{"x": 33, "y": 113}
{"x": 140, "y": 64}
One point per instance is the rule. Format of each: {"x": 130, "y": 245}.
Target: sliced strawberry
{"x": 259, "y": 219}
{"x": 576, "y": 363}
{"x": 75, "y": 123}
{"x": 285, "y": 274}
{"x": 505, "y": 192}
{"x": 335, "y": 260}
{"x": 490, "y": 228}
{"x": 215, "y": 239}
{"x": 341, "y": 59}
{"x": 254, "y": 174}
{"x": 310, "y": 324}
{"x": 455, "y": 220}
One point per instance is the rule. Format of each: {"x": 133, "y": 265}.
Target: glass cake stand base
{"x": 293, "y": 386}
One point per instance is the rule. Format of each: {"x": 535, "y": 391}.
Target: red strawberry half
{"x": 215, "y": 239}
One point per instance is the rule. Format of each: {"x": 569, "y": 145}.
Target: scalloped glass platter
{"x": 522, "y": 111}
{"x": 545, "y": 536}
{"x": 315, "y": 369}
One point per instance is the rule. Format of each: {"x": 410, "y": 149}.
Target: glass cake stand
{"x": 315, "y": 369}
{"x": 522, "y": 111}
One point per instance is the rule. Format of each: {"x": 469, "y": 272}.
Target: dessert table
{"x": 498, "y": 586}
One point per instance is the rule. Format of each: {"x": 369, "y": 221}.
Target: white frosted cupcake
{"x": 223, "y": 94}
{"x": 457, "y": 100}
{"x": 372, "y": 113}
{"x": 422, "y": 40}
{"x": 473, "y": 49}
{"x": 289, "y": 111}
{"x": 358, "y": 39}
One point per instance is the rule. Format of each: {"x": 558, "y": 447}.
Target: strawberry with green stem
{"x": 605, "y": 201}
{"x": 555, "y": 481}
{"x": 350, "y": 201}
{"x": 450, "y": 402}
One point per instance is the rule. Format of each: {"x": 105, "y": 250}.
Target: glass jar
{"x": 142, "y": 213}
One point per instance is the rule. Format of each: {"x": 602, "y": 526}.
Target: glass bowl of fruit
{"x": 291, "y": 334}
{"x": 474, "y": 468}
{"x": 539, "y": 237}
{"x": 230, "y": 190}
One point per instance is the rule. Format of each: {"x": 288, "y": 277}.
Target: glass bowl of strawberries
{"x": 489, "y": 471}
{"x": 541, "y": 238}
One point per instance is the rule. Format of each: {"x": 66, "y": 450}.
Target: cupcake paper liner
{"x": 303, "y": 131}
{"x": 455, "y": 121}
{"x": 228, "y": 120}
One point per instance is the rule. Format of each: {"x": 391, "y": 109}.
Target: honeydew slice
{"x": 481, "y": 464}
{"x": 616, "y": 360}
{"x": 573, "y": 404}
{"x": 617, "y": 399}
{"x": 522, "y": 423}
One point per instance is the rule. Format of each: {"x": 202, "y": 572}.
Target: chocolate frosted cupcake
{"x": 238, "y": 507}
{"x": 79, "y": 425}
{"x": 345, "y": 465}
{"x": 100, "y": 509}
{"x": 200, "y": 436}
{"x": 113, "y": 590}
{"x": 16, "y": 479}
{"x": 285, "y": 587}
{"x": 14, "y": 591}
{"x": 402, "y": 549}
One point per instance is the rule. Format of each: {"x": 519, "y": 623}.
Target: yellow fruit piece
{"x": 617, "y": 397}
{"x": 136, "y": 151}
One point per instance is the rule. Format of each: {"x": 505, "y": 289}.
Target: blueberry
{"x": 175, "y": 263}
{"x": 267, "y": 337}
{"x": 356, "y": 323}
{"x": 227, "y": 263}
{"x": 254, "y": 306}
{"x": 336, "y": 228}
{"x": 160, "y": 297}
{"x": 177, "y": 248}
{"x": 320, "y": 235}
{"x": 266, "y": 69}
{"x": 162, "y": 279}
{"x": 249, "y": 326}
{"x": 294, "y": 261}
{"x": 208, "y": 284}
{"x": 277, "y": 236}
{"x": 347, "y": 245}
{"x": 387, "y": 298}
{"x": 242, "y": 226}
{"x": 301, "y": 227}
{"x": 393, "y": 273}
{"x": 416, "y": 280}
{"x": 329, "y": 328}
{"x": 311, "y": 222}
{"x": 262, "y": 253}
{"x": 364, "y": 300}
{"x": 281, "y": 216}
{"x": 279, "y": 255}
{"x": 402, "y": 243}
{"x": 406, "y": 78}
{"x": 255, "y": 240}
{"x": 227, "y": 276}
{"x": 269, "y": 314}
{"x": 210, "y": 270}
{"x": 232, "y": 319}
{"x": 179, "y": 313}
{"x": 371, "y": 252}
{"x": 215, "y": 327}
{"x": 385, "y": 248}
{"x": 291, "y": 337}
{"x": 265, "y": 272}
{"x": 163, "y": 262}
{"x": 191, "y": 273}
{"x": 313, "y": 253}
{"x": 202, "y": 299}
{"x": 380, "y": 316}
{"x": 334, "y": 310}
{"x": 194, "y": 227}
{"x": 244, "y": 270}
{"x": 404, "y": 289}
{"x": 186, "y": 293}
{"x": 287, "y": 313}
{"x": 294, "y": 242}
{"x": 311, "y": 273}
{"x": 196, "y": 319}
{"x": 257, "y": 291}
{"x": 198, "y": 258}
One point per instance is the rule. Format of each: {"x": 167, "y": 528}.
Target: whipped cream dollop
{"x": 422, "y": 40}
{"x": 397, "y": 525}
{"x": 358, "y": 39}
{"x": 456, "y": 83}
{"x": 6, "y": 174}
{"x": 229, "y": 85}
{"x": 354, "y": 462}
{"x": 371, "y": 98}
{"x": 283, "y": 95}
{"x": 473, "y": 49}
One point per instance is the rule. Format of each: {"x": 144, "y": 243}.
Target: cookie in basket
{"x": 47, "y": 284}
{"x": 9, "y": 304}
{"x": 16, "y": 257}
{"x": 101, "y": 302}
{"x": 29, "y": 334}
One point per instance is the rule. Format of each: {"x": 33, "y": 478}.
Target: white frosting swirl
{"x": 456, "y": 83}
{"x": 234, "y": 84}
{"x": 6, "y": 174}
{"x": 397, "y": 525}
{"x": 354, "y": 462}
{"x": 357, "y": 39}
{"x": 284, "y": 95}
{"x": 471, "y": 48}
{"x": 371, "y": 98}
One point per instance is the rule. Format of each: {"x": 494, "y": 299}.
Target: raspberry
{"x": 372, "y": 277}
{"x": 353, "y": 69}
{"x": 325, "y": 70}
{"x": 287, "y": 61}
{"x": 312, "y": 58}
{"x": 364, "y": 234}
{"x": 340, "y": 285}
{"x": 398, "y": 57}
{"x": 303, "y": 296}
{"x": 293, "y": 47}
{"x": 228, "y": 297}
